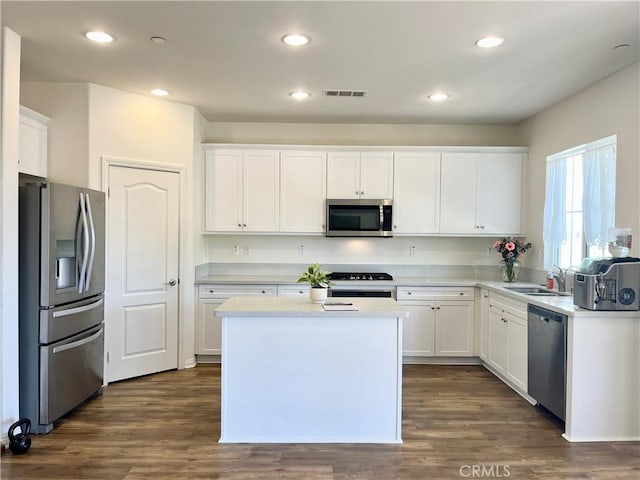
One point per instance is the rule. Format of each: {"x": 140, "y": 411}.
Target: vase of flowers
{"x": 511, "y": 249}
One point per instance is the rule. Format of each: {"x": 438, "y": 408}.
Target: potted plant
{"x": 319, "y": 282}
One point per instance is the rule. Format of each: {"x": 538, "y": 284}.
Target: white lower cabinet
{"x": 438, "y": 326}
{"x": 507, "y": 340}
{"x": 484, "y": 323}
{"x": 209, "y": 332}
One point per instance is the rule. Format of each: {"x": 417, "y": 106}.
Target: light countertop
{"x": 302, "y": 307}
{"x": 560, "y": 304}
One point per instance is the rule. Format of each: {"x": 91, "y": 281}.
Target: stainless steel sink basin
{"x": 537, "y": 291}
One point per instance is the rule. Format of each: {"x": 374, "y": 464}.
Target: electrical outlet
{"x": 538, "y": 254}
{"x": 300, "y": 249}
{"x": 235, "y": 249}
{"x": 245, "y": 250}
{"x": 412, "y": 251}
{"x": 489, "y": 252}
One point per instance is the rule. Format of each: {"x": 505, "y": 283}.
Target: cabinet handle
{"x": 240, "y": 225}
{"x": 437, "y": 308}
{"x": 395, "y": 226}
{"x": 461, "y": 293}
{"x": 433, "y": 308}
{"x": 409, "y": 293}
{"x": 263, "y": 291}
{"x": 244, "y": 224}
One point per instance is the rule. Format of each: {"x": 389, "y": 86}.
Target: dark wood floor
{"x": 458, "y": 422}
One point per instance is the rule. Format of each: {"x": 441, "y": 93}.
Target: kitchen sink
{"x": 537, "y": 291}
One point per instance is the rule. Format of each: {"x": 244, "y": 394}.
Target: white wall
{"x": 611, "y": 106}
{"x": 10, "y": 88}
{"x": 67, "y": 104}
{"x": 281, "y": 249}
{"x": 362, "y": 134}
{"x": 139, "y": 128}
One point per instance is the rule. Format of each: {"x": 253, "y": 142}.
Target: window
{"x": 579, "y": 204}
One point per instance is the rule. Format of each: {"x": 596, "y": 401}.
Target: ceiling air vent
{"x": 344, "y": 93}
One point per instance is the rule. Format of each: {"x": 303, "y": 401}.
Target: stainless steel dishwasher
{"x": 547, "y": 367}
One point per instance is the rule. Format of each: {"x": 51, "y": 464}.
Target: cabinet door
{"x": 303, "y": 190}
{"x": 223, "y": 191}
{"x": 32, "y": 150}
{"x": 209, "y": 328}
{"x": 517, "y": 358}
{"x": 499, "y": 193}
{"x": 458, "y": 179}
{"x": 261, "y": 188}
{"x": 454, "y": 329}
{"x": 484, "y": 323}
{"x": 376, "y": 175}
{"x": 416, "y": 193}
{"x": 418, "y": 330}
{"x": 497, "y": 348}
{"x": 343, "y": 175}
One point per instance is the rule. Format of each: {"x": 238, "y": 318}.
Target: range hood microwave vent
{"x": 344, "y": 93}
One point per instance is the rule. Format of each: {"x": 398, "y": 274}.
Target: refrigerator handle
{"x": 76, "y": 310}
{"x": 78, "y": 343}
{"x": 85, "y": 245}
{"x": 93, "y": 241}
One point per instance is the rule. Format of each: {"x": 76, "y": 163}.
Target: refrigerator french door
{"x": 61, "y": 283}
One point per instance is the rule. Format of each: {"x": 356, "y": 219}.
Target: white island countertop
{"x": 302, "y": 307}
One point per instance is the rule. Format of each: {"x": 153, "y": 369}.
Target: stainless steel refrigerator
{"x": 61, "y": 284}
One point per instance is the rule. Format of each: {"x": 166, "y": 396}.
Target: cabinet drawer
{"x": 293, "y": 290}
{"x": 227, "y": 291}
{"x": 435, "y": 293}
{"x": 506, "y": 304}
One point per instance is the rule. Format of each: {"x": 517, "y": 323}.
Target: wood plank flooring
{"x": 458, "y": 422}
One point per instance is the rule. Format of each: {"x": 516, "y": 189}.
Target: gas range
{"x": 367, "y": 288}
{"x": 339, "y": 276}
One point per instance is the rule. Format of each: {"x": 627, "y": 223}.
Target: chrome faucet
{"x": 561, "y": 278}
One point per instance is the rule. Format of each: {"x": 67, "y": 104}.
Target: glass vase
{"x": 510, "y": 271}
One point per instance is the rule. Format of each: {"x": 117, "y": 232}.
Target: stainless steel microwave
{"x": 359, "y": 218}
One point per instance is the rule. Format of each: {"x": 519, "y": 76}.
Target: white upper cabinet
{"x": 416, "y": 201}
{"x": 480, "y": 193}
{"x": 360, "y": 175}
{"x": 500, "y": 193}
{"x": 242, "y": 191}
{"x": 32, "y": 150}
{"x": 303, "y": 189}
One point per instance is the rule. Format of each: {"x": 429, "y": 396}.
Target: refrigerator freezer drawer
{"x": 61, "y": 322}
{"x": 70, "y": 372}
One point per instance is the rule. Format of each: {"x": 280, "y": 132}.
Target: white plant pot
{"x": 317, "y": 294}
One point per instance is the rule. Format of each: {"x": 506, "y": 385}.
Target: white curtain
{"x": 555, "y": 221}
{"x": 599, "y": 194}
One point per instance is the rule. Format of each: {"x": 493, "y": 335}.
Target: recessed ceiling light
{"x": 296, "y": 39}
{"x": 100, "y": 37}
{"x": 490, "y": 42}
{"x": 158, "y": 39}
{"x": 438, "y": 97}
{"x": 300, "y": 95}
{"x": 159, "y": 92}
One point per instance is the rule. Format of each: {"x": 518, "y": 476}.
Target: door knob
{"x": 172, "y": 283}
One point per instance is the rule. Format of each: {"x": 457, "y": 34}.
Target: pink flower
{"x": 510, "y": 246}
{"x": 497, "y": 244}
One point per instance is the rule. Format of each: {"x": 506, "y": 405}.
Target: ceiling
{"x": 227, "y": 58}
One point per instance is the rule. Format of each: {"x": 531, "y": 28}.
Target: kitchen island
{"x": 293, "y": 372}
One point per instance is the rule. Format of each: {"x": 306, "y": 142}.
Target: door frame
{"x": 186, "y": 356}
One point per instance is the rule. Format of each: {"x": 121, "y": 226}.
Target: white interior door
{"x": 142, "y": 288}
